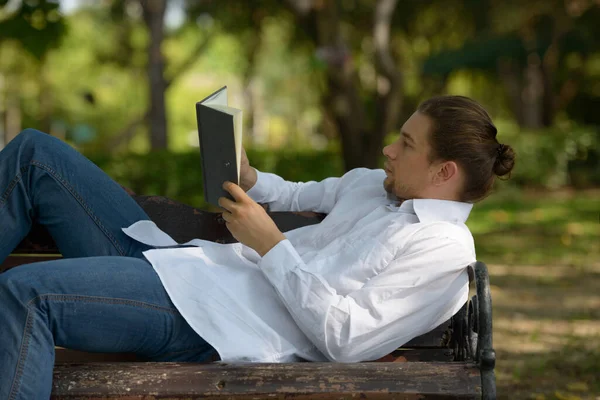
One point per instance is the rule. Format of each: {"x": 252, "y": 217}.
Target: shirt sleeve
{"x": 422, "y": 287}
{"x": 282, "y": 195}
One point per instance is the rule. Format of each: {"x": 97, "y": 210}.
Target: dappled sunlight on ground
{"x": 546, "y": 327}
{"x": 543, "y": 254}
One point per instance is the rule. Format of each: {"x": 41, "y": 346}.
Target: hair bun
{"x": 505, "y": 161}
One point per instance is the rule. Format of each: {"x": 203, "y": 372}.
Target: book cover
{"x": 219, "y": 131}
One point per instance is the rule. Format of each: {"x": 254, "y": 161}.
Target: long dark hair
{"x": 463, "y": 132}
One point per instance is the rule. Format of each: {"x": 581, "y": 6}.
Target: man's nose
{"x": 387, "y": 151}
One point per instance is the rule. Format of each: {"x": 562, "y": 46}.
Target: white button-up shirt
{"x": 367, "y": 279}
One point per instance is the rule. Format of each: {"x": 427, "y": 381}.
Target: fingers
{"x": 237, "y": 192}
{"x": 227, "y": 216}
{"x": 227, "y": 204}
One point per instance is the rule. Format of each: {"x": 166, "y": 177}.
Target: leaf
{"x": 565, "y": 396}
{"x": 578, "y": 387}
{"x": 38, "y": 26}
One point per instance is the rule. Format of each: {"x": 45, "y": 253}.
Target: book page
{"x": 218, "y": 99}
{"x": 237, "y": 132}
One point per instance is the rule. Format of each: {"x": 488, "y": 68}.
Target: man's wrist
{"x": 270, "y": 244}
{"x": 247, "y": 182}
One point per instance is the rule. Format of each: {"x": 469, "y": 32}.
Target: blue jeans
{"x": 102, "y": 297}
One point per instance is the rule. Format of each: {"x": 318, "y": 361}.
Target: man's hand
{"x": 248, "y": 175}
{"x": 248, "y": 222}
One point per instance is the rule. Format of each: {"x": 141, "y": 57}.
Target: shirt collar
{"x": 431, "y": 210}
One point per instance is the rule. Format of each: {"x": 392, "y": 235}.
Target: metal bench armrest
{"x": 481, "y": 317}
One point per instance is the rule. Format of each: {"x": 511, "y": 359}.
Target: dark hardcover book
{"x": 220, "y": 133}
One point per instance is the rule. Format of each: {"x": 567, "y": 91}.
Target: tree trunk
{"x": 154, "y": 13}
{"x": 361, "y": 137}
{"x": 13, "y": 117}
{"x": 342, "y": 99}
{"x": 253, "y": 101}
{"x": 157, "y": 89}
{"x": 389, "y": 82}
{"x": 45, "y": 99}
{"x": 10, "y": 108}
{"x": 510, "y": 75}
{"x": 533, "y": 93}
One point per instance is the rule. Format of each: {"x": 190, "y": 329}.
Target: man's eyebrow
{"x": 407, "y": 136}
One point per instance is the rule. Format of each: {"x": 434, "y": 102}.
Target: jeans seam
{"x": 63, "y": 297}
{"x": 20, "y": 363}
{"x": 13, "y": 183}
{"x": 100, "y": 299}
{"x": 82, "y": 202}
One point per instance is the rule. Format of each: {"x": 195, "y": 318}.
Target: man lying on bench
{"x": 387, "y": 264}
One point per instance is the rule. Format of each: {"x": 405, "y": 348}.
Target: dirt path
{"x": 547, "y": 331}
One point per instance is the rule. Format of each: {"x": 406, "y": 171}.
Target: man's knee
{"x": 29, "y": 134}
{"x": 31, "y": 137}
{"x": 31, "y": 141}
{"x": 15, "y": 285}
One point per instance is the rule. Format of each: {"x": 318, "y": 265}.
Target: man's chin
{"x": 388, "y": 186}
{"x": 391, "y": 190}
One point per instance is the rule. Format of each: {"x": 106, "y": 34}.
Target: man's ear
{"x": 446, "y": 171}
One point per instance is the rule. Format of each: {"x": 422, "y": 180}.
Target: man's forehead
{"x": 417, "y": 127}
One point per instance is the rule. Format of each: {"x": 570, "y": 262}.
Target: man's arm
{"x": 419, "y": 289}
{"x": 282, "y": 195}
{"x": 425, "y": 283}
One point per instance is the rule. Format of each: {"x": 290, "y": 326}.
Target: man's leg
{"x": 44, "y": 179}
{"x": 97, "y": 304}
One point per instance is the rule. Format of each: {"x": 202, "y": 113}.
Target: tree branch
{"x": 127, "y": 133}
{"x": 388, "y": 89}
{"x": 300, "y": 7}
{"x": 198, "y": 50}
{"x": 381, "y": 38}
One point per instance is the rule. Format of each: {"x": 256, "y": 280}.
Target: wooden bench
{"x": 455, "y": 360}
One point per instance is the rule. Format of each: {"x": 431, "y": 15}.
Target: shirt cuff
{"x": 259, "y": 191}
{"x": 281, "y": 259}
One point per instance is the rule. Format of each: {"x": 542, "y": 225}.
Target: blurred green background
{"x": 324, "y": 85}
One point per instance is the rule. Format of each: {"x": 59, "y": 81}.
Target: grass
{"x": 543, "y": 253}
{"x": 538, "y": 228}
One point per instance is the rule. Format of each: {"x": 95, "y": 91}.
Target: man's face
{"x": 409, "y": 173}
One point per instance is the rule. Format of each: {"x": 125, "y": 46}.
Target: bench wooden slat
{"x": 422, "y": 380}
{"x": 15, "y": 260}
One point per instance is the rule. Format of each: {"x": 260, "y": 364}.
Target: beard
{"x": 403, "y": 192}
{"x": 388, "y": 185}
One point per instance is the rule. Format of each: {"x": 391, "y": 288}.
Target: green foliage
{"x": 274, "y": 73}
{"x": 564, "y": 155}
{"x": 528, "y": 227}
{"x": 482, "y": 53}
{"x": 37, "y": 25}
{"x": 493, "y": 45}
